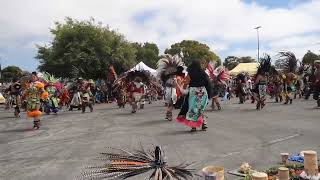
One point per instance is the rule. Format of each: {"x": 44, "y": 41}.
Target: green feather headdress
{"x": 50, "y": 78}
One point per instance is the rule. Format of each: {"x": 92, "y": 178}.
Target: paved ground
{"x": 68, "y": 142}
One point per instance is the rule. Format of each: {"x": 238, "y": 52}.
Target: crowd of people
{"x": 189, "y": 89}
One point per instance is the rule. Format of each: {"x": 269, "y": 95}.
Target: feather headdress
{"x": 48, "y": 78}
{"x": 121, "y": 164}
{"x": 219, "y": 73}
{"x": 144, "y": 75}
{"x": 242, "y": 76}
{"x": 168, "y": 65}
{"x": 264, "y": 64}
{"x": 290, "y": 61}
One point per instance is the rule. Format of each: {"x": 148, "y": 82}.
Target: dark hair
{"x": 180, "y": 71}
{"x": 197, "y": 75}
{"x": 195, "y": 66}
{"x": 34, "y": 73}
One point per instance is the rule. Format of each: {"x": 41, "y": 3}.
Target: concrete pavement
{"x": 70, "y": 141}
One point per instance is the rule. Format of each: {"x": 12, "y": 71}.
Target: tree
{"x": 246, "y": 59}
{"x": 309, "y": 58}
{"x": 193, "y": 50}
{"x": 147, "y": 53}
{"x": 231, "y": 62}
{"x": 11, "y": 72}
{"x": 86, "y": 49}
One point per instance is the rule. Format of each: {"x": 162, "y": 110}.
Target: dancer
{"x": 137, "y": 81}
{"x": 64, "y": 97}
{"x": 51, "y": 104}
{"x": 14, "y": 91}
{"x": 241, "y": 90}
{"x": 120, "y": 89}
{"x": 136, "y": 93}
{"x": 289, "y": 77}
{"x": 218, "y": 77}
{"x": 260, "y": 83}
{"x": 76, "y": 96}
{"x": 167, "y": 69}
{"x": 317, "y": 82}
{"x": 34, "y": 93}
{"x": 277, "y": 85}
{"x": 121, "y": 95}
{"x": 112, "y": 77}
{"x": 86, "y": 96}
{"x": 180, "y": 83}
{"x": 192, "y": 111}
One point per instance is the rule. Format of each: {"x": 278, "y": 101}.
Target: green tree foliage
{"x": 11, "y": 72}
{"x": 147, "y": 53}
{"x": 193, "y": 50}
{"x": 232, "y": 61}
{"x": 309, "y": 58}
{"x": 246, "y": 59}
{"x": 86, "y": 49}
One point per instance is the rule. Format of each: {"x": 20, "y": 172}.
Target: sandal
{"x": 169, "y": 116}
{"x": 36, "y": 125}
{"x": 204, "y": 127}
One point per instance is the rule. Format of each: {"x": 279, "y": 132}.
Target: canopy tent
{"x": 141, "y": 66}
{"x": 250, "y": 68}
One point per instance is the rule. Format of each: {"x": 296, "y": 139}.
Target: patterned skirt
{"x": 198, "y": 101}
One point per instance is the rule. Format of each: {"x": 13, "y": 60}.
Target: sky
{"x": 227, "y": 26}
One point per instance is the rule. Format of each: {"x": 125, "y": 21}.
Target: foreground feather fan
{"x": 122, "y": 164}
{"x": 290, "y": 59}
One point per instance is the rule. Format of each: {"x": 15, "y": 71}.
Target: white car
{"x": 2, "y": 99}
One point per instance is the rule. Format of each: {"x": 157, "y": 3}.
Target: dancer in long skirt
{"x": 192, "y": 111}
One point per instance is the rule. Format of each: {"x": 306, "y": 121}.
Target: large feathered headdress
{"x": 264, "y": 64}
{"x": 168, "y": 65}
{"x": 144, "y": 75}
{"x": 122, "y": 164}
{"x": 242, "y": 76}
{"x": 219, "y": 73}
{"x": 290, "y": 61}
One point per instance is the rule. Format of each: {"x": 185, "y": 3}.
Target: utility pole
{"x": 257, "y": 28}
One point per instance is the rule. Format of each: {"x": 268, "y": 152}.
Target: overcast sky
{"x": 225, "y": 25}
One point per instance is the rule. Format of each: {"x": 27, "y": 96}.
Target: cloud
{"x": 223, "y": 25}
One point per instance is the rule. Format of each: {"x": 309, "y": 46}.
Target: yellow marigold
{"x": 40, "y": 85}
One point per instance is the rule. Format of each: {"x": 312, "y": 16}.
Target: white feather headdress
{"x": 168, "y": 64}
